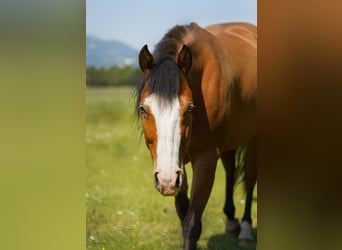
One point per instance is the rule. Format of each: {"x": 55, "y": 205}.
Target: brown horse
{"x": 197, "y": 103}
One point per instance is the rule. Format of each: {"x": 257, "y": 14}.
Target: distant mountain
{"x": 102, "y": 53}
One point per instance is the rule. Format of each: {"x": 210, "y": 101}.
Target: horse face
{"x": 167, "y": 131}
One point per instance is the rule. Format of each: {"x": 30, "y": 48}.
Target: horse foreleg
{"x": 245, "y": 236}
{"x": 182, "y": 200}
{"x": 203, "y": 177}
{"x": 232, "y": 224}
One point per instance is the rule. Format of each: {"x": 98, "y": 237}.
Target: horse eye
{"x": 142, "y": 110}
{"x": 190, "y": 108}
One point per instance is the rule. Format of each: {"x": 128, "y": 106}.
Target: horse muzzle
{"x": 168, "y": 185}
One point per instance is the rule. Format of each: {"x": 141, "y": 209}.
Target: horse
{"x": 196, "y": 103}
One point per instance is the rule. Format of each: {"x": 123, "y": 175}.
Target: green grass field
{"x": 124, "y": 211}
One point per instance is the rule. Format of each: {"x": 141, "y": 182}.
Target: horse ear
{"x": 146, "y": 60}
{"x": 184, "y": 59}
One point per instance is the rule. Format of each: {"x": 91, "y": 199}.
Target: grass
{"x": 124, "y": 211}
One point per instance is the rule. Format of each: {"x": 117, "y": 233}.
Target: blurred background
{"x": 116, "y": 30}
{"x": 43, "y": 109}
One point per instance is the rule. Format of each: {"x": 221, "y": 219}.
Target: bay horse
{"x": 197, "y": 103}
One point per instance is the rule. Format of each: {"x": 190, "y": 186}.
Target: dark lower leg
{"x": 203, "y": 178}
{"x": 182, "y": 204}
{"x": 229, "y": 208}
{"x": 250, "y": 179}
{"x": 245, "y": 235}
{"x": 248, "y": 206}
{"x": 228, "y": 160}
{"x": 182, "y": 200}
{"x": 192, "y": 228}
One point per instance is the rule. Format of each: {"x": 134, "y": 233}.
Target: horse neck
{"x": 202, "y": 45}
{"x": 204, "y": 55}
{"x": 210, "y": 66}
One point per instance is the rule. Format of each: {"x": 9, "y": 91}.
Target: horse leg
{"x": 245, "y": 236}
{"x": 232, "y": 224}
{"x": 182, "y": 200}
{"x": 203, "y": 178}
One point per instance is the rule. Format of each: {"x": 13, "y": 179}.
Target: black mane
{"x": 164, "y": 79}
{"x": 164, "y": 76}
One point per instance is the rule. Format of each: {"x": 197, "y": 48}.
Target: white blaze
{"x": 168, "y": 134}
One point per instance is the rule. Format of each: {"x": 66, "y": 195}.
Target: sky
{"x": 140, "y": 22}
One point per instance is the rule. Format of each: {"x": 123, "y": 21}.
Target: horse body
{"x": 213, "y": 113}
{"x": 226, "y": 85}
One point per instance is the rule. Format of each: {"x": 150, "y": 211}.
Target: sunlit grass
{"x": 124, "y": 211}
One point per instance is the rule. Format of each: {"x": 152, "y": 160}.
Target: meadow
{"x": 124, "y": 211}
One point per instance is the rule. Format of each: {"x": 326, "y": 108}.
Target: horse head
{"x": 165, "y": 108}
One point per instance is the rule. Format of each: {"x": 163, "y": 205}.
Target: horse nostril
{"x": 156, "y": 178}
{"x": 178, "y": 180}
